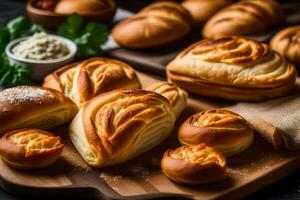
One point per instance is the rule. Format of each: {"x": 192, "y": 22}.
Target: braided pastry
{"x": 158, "y": 24}
{"x": 34, "y": 107}
{"x": 244, "y": 18}
{"x": 232, "y": 68}
{"x": 287, "y": 43}
{"x": 194, "y": 164}
{"x": 224, "y": 130}
{"x": 176, "y": 96}
{"x": 30, "y": 148}
{"x": 119, "y": 125}
{"x": 82, "y": 81}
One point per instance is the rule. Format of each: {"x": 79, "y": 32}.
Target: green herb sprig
{"x": 88, "y": 38}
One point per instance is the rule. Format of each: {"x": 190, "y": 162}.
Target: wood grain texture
{"x": 141, "y": 178}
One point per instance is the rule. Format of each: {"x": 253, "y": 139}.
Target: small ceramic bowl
{"x": 52, "y": 20}
{"x": 42, "y": 67}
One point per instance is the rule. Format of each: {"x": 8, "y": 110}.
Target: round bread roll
{"x": 202, "y": 10}
{"x": 244, "y": 18}
{"x": 156, "y": 25}
{"x": 85, "y": 80}
{"x": 34, "y": 107}
{"x": 30, "y": 148}
{"x": 84, "y": 7}
{"x": 222, "y": 129}
{"x": 119, "y": 125}
{"x": 287, "y": 43}
{"x": 194, "y": 164}
{"x": 232, "y": 68}
{"x": 176, "y": 96}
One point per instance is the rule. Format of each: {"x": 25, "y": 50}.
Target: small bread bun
{"x": 194, "y": 164}
{"x": 222, "y": 129}
{"x": 30, "y": 148}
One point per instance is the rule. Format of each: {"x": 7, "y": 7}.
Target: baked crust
{"x": 176, "y": 96}
{"x": 155, "y": 25}
{"x": 119, "y": 125}
{"x": 194, "y": 164}
{"x": 287, "y": 43}
{"x": 224, "y": 130}
{"x": 202, "y": 10}
{"x": 233, "y": 68}
{"x": 34, "y": 107}
{"x": 244, "y": 18}
{"x": 30, "y": 148}
{"x": 84, "y": 80}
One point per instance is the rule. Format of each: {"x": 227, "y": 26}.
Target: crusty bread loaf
{"x": 34, "y": 107}
{"x": 156, "y": 25}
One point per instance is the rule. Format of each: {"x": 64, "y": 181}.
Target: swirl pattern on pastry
{"x": 194, "y": 164}
{"x": 82, "y": 81}
{"x": 232, "y": 64}
{"x": 155, "y": 25}
{"x": 30, "y": 148}
{"x": 287, "y": 43}
{"x": 244, "y": 18}
{"x": 222, "y": 129}
{"x": 119, "y": 125}
{"x": 176, "y": 96}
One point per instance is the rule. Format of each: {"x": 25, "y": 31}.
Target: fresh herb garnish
{"x": 15, "y": 74}
{"x": 88, "y": 38}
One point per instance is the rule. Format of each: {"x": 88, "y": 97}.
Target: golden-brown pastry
{"x": 34, "y": 107}
{"x": 176, "y": 96}
{"x": 103, "y": 9}
{"x": 244, "y": 18}
{"x": 85, "y": 80}
{"x": 119, "y": 125}
{"x": 202, "y": 10}
{"x": 30, "y": 148}
{"x": 232, "y": 68}
{"x": 194, "y": 164}
{"x": 287, "y": 43}
{"x": 224, "y": 130}
{"x": 156, "y": 25}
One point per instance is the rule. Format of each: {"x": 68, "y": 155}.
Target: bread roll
{"x": 226, "y": 131}
{"x": 202, "y": 10}
{"x": 156, "y": 25}
{"x": 119, "y": 125}
{"x": 34, "y": 107}
{"x": 194, "y": 164}
{"x": 30, "y": 148}
{"x": 244, "y": 18}
{"x": 232, "y": 68}
{"x": 82, "y": 81}
{"x": 287, "y": 43}
{"x": 176, "y": 96}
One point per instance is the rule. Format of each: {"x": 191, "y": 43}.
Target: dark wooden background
{"x": 287, "y": 188}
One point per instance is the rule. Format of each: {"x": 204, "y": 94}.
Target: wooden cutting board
{"x": 141, "y": 178}
{"x": 155, "y": 60}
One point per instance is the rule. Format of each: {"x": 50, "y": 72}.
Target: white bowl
{"x": 42, "y": 67}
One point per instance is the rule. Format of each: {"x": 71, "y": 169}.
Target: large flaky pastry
{"x": 34, "y": 107}
{"x": 119, "y": 125}
{"x": 244, "y": 18}
{"x": 158, "y": 24}
{"x": 194, "y": 164}
{"x": 222, "y": 129}
{"x": 202, "y": 10}
{"x": 232, "y": 68}
{"x": 176, "y": 96}
{"x": 84, "y": 80}
{"x": 30, "y": 148}
{"x": 287, "y": 43}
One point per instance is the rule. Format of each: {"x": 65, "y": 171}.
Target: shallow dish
{"x": 52, "y": 20}
{"x": 42, "y": 67}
